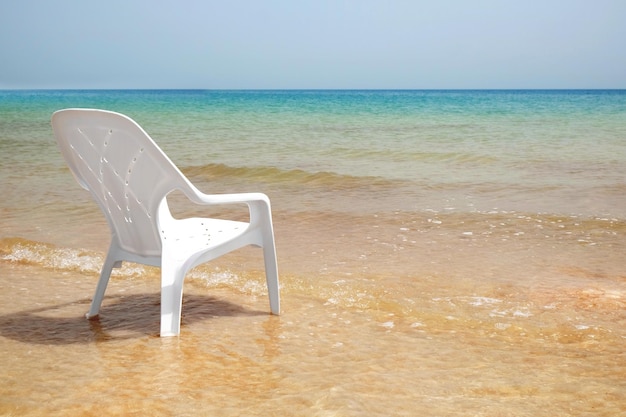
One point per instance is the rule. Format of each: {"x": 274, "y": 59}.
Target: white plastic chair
{"x": 130, "y": 177}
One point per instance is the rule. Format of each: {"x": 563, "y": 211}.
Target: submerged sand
{"x": 448, "y": 349}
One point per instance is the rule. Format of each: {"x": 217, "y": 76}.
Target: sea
{"x": 441, "y": 253}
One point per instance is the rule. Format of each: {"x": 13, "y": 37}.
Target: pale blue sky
{"x": 247, "y": 44}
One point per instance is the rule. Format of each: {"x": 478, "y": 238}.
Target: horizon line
{"x": 312, "y": 89}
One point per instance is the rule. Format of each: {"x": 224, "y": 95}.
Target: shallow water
{"x": 444, "y": 348}
{"x": 441, "y": 253}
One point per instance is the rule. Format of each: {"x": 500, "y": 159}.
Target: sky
{"x": 312, "y": 44}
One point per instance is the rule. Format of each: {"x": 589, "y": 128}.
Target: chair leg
{"x": 172, "y": 278}
{"x": 271, "y": 275}
{"x": 105, "y": 274}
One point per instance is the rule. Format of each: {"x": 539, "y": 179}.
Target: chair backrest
{"x": 128, "y": 175}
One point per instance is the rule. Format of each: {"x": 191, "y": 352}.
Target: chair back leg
{"x": 110, "y": 262}
{"x": 271, "y": 274}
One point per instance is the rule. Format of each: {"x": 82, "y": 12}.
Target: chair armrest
{"x": 258, "y": 203}
{"x": 208, "y": 199}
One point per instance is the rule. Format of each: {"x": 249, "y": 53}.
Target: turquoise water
{"x": 548, "y": 151}
{"x": 447, "y": 251}
{"x": 501, "y": 161}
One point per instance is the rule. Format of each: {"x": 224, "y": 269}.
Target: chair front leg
{"x": 172, "y": 278}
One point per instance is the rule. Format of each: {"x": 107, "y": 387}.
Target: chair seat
{"x": 198, "y": 235}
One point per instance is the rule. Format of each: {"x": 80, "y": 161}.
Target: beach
{"x": 440, "y": 253}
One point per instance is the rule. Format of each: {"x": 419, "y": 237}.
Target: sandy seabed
{"x": 316, "y": 359}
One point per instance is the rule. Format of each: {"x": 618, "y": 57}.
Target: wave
{"x": 284, "y": 176}
{"x": 20, "y": 251}
{"x": 403, "y": 155}
{"x": 27, "y": 252}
